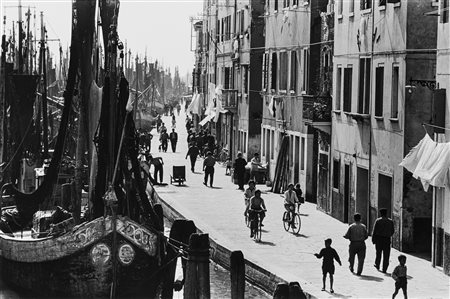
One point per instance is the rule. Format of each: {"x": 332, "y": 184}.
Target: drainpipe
{"x": 369, "y": 186}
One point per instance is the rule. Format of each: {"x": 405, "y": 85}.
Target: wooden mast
{"x": 85, "y": 31}
{"x": 44, "y": 89}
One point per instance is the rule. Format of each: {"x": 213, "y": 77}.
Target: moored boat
{"x": 116, "y": 248}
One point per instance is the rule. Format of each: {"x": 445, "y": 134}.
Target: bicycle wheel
{"x": 257, "y": 234}
{"x": 286, "y": 223}
{"x": 298, "y": 224}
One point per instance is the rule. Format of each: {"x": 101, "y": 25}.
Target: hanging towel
{"x": 413, "y": 157}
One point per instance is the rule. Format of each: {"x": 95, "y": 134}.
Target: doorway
{"x": 362, "y": 196}
{"x": 385, "y": 193}
{"x": 346, "y": 191}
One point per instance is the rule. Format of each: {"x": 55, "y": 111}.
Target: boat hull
{"x": 59, "y": 267}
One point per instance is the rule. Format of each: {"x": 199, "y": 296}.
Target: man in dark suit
{"x": 239, "y": 170}
{"x": 173, "y": 140}
{"x": 383, "y": 230}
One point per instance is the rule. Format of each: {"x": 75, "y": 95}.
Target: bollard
{"x": 237, "y": 275}
{"x": 197, "y": 270}
{"x": 282, "y": 291}
{"x": 295, "y": 291}
{"x": 181, "y": 231}
{"x": 159, "y": 212}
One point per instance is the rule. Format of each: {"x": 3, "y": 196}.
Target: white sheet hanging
{"x": 429, "y": 161}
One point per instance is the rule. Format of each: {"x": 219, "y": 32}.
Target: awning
{"x": 207, "y": 119}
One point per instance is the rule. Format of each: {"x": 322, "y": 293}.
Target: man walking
{"x": 164, "y": 138}
{"x": 208, "y": 168}
{"x": 173, "y": 140}
{"x": 239, "y": 170}
{"x": 357, "y": 234}
{"x": 381, "y": 237}
{"x": 192, "y": 153}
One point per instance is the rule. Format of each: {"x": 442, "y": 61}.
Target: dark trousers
{"x": 240, "y": 179}
{"x": 174, "y": 146}
{"x": 359, "y": 249}
{"x": 158, "y": 170}
{"x": 193, "y": 160}
{"x": 209, "y": 171}
{"x": 382, "y": 246}
{"x": 164, "y": 146}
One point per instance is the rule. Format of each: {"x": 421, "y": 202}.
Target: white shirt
{"x": 290, "y": 197}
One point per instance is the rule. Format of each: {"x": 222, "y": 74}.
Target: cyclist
{"x": 255, "y": 207}
{"x": 248, "y": 194}
{"x": 290, "y": 198}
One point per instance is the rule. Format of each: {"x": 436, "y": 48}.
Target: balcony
{"x": 317, "y": 112}
{"x": 229, "y": 99}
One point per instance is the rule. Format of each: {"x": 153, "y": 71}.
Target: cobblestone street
{"x": 219, "y": 212}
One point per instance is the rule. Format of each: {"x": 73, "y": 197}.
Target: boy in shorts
{"x": 399, "y": 275}
{"x": 329, "y": 255}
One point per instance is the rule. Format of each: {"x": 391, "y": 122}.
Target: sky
{"x": 160, "y": 27}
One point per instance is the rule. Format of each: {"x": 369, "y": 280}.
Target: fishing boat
{"x": 116, "y": 248}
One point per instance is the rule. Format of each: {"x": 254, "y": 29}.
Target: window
{"x": 444, "y": 11}
{"x": 272, "y": 142}
{"x": 294, "y": 2}
{"x": 339, "y": 8}
{"x": 283, "y": 70}
{"x": 226, "y": 79}
{"x": 245, "y": 142}
{"x": 275, "y": 7}
{"x": 222, "y": 30}
{"x": 285, "y": 3}
{"x": 291, "y": 150}
{"x": 293, "y": 79}
{"x": 351, "y": 6}
{"x": 336, "y": 171}
{"x": 305, "y": 69}
{"x": 245, "y": 78}
{"x": 348, "y": 73}
{"x": 338, "y": 88}
{"x": 273, "y": 71}
{"x": 364, "y": 86}
{"x": 382, "y": 3}
{"x": 218, "y": 31}
{"x": 265, "y": 70}
{"x": 366, "y": 4}
{"x": 263, "y": 142}
{"x": 394, "y": 96}
{"x": 302, "y": 160}
{"x": 242, "y": 20}
{"x": 379, "y": 84}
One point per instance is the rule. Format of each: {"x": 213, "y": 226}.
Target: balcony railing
{"x": 229, "y": 98}
{"x": 316, "y": 109}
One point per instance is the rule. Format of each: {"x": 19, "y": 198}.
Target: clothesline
{"x": 430, "y": 125}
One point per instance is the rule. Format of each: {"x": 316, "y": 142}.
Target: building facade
{"x": 232, "y": 37}
{"x": 290, "y": 78}
{"x": 441, "y": 196}
{"x": 381, "y": 49}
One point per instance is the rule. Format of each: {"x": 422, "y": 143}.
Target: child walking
{"x": 329, "y": 255}
{"x": 399, "y": 275}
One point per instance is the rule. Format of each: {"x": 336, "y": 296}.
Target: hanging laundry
{"x": 272, "y": 108}
{"x": 415, "y": 154}
{"x": 429, "y": 162}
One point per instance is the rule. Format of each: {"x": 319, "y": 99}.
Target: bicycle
{"x": 287, "y": 222}
{"x": 255, "y": 225}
